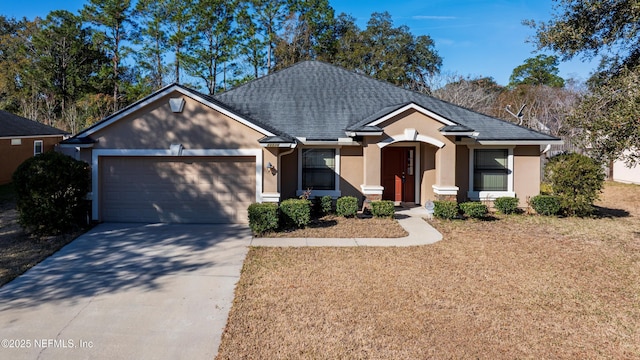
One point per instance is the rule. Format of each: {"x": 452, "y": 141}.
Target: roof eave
{"x": 521, "y": 142}
{"x": 363, "y": 133}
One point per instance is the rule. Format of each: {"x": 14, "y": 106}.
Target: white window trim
{"x": 491, "y": 195}
{"x": 97, "y": 153}
{"x": 35, "y": 142}
{"x": 335, "y": 193}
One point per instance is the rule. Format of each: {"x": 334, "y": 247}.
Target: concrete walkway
{"x": 411, "y": 219}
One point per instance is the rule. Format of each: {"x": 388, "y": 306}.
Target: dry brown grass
{"x": 18, "y": 250}
{"x": 339, "y": 227}
{"x": 517, "y": 287}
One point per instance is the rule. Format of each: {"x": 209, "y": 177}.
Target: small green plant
{"x": 383, "y": 209}
{"x": 445, "y": 209}
{"x": 506, "y": 204}
{"x": 577, "y": 180}
{"x": 548, "y": 205}
{"x": 325, "y": 204}
{"x": 295, "y": 212}
{"x": 474, "y": 209}
{"x": 51, "y": 190}
{"x": 263, "y": 217}
{"x": 347, "y": 206}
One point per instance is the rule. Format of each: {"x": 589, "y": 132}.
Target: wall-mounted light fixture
{"x": 271, "y": 168}
{"x": 176, "y": 149}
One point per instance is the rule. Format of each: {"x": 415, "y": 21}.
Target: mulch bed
{"x": 331, "y": 226}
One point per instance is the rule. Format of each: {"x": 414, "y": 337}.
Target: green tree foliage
{"x": 46, "y": 66}
{"x": 590, "y": 28}
{"x": 113, "y": 22}
{"x": 153, "y": 40}
{"x": 386, "y": 52}
{"x": 577, "y": 180}
{"x": 51, "y": 189}
{"x": 67, "y": 59}
{"x": 307, "y": 35}
{"x": 59, "y": 70}
{"x": 610, "y": 28}
{"x": 610, "y": 117}
{"x": 540, "y": 70}
{"x": 213, "y": 41}
{"x": 179, "y": 28}
{"x": 269, "y": 16}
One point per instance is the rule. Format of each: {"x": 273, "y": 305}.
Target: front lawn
{"x": 516, "y": 287}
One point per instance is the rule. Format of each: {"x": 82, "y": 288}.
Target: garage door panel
{"x": 187, "y": 190}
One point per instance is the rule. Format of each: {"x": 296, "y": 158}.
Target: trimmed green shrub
{"x": 263, "y": 217}
{"x": 383, "y": 208}
{"x": 295, "y": 212}
{"x": 347, "y": 206}
{"x": 474, "y": 209}
{"x": 445, "y": 209}
{"x": 51, "y": 189}
{"x": 506, "y": 204}
{"x": 548, "y": 205}
{"x": 577, "y": 180}
{"x": 325, "y": 204}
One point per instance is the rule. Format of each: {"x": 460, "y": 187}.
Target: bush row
{"x": 549, "y": 205}
{"x": 296, "y": 213}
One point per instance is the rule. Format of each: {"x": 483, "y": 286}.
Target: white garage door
{"x": 214, "y": 190}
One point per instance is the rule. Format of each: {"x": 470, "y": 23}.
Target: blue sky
{"x": 474, "y": 37}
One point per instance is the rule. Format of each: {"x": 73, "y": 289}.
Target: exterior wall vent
{"x": 177, "y": 104}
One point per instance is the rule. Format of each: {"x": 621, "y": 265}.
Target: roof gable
{"x": 12, "y": 125}
{"x": 264, "y": 129}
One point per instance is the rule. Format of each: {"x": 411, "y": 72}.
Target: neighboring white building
{"x": 624, "y": 174}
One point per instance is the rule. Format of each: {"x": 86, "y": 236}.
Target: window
{"x": 16, "y": 141}
{"x": 490, "y": 170}
{"x": 37, "y": 147}
{"x": 319, "y": 169}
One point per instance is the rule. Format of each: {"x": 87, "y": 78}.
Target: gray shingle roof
{"x": 316, "y": 100}
{"x": 14, "y": 125}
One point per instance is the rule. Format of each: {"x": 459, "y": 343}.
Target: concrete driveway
{"x": 126, "y": 291}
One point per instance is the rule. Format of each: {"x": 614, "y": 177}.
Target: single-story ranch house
{"x": 181, "y": 156}
{"x": 22, "y": 138}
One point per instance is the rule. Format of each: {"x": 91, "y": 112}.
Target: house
{"x": 624, "y": 174}
{"x": 181, "y": 156}
{"x": 20, "y": 139}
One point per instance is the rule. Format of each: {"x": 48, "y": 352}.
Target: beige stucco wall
{"x": 14, "y": 155}
{"x": 270, "y": 178}
{"x": 428, "y": 172}
{"x": 526, "y": 172}
{"x": 155, "y": 126}
{"x": 351, "y": 171}
{"x": 372, "y": 161}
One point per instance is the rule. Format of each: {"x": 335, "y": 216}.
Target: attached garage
{"x": 180, "y": 189}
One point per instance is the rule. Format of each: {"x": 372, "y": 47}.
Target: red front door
{"x": 398, "y": 177}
